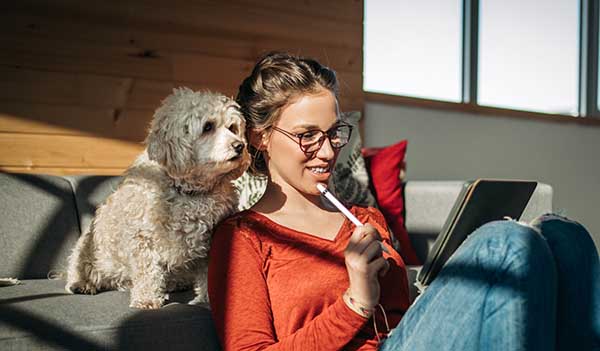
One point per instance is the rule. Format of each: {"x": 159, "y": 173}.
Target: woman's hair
{"x": 276, "y": 80}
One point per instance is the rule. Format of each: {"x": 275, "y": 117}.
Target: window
{"x": 413, "y": 48}
{"x": 529, "y": 55}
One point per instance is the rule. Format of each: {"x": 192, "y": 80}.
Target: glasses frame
{"x": 326, "y": 134}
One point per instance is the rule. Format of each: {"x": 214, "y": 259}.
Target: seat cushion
{"x": 38, "y": 225}
{"x": 40, "y": 315}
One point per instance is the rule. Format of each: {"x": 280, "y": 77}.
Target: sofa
{"x": 41, "y": 217}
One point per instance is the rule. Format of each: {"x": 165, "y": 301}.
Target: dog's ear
{"x": 156, "y": 151}
{"x": 170, "y": 153}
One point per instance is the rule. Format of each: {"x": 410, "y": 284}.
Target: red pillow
{"x": 386, "y": 167}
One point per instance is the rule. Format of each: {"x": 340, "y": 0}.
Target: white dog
{"x": 152, "y": 235}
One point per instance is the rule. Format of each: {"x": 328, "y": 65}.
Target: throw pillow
{"x": 350, "y": 179}
{"x": 250, "y": 189}
{"x": 387, "y": 170}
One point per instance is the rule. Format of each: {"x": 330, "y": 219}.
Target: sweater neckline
{"x": 263, "y": 218}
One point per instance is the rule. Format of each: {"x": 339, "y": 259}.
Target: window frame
{"x": 588, "y": 99}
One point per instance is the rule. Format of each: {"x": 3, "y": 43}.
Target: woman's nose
{"x": 326, "y": 151}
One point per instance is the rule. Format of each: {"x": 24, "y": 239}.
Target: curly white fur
{"x": 152, "y": 235}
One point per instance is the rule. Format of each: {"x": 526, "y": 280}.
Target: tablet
{"x": 479, "y": 202}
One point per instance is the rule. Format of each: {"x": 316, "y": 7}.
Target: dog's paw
{"x": 80, "y": 288}
{"x": 199, "y": 300}
{"x": 147, "y": 304}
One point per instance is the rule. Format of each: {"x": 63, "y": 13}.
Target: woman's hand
{"x": 364, "y": 263}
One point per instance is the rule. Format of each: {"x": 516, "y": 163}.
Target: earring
{"x": 264, "y": 141}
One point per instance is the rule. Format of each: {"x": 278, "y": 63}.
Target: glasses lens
{"x": 340, "y": 136}
{"x": 309, "y": 142}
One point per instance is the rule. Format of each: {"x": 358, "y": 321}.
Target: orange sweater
{"x": 274, "y": 288}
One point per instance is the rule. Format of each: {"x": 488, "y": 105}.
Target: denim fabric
{"x": 578, "y": 274}
{"x": 509, "y": 288}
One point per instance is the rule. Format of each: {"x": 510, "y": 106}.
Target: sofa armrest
{"x": 428, "y": 204}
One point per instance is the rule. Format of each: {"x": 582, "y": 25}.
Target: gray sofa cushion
{"x": 90, "y": 192}
{"x": 40, "y": 315}
{"x": 39, "y": 225}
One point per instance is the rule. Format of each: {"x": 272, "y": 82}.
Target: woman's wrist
{"x": 356, "y": 306}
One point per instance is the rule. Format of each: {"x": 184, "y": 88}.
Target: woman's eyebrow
{"x": 309, "y": 126}
{"x": 306, "y": 126}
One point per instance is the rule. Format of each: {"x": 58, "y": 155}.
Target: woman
{"x": 291, "y": 274}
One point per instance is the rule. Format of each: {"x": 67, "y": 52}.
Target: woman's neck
{"x": 281, "y": 199}
{"x": 299, "y": 211}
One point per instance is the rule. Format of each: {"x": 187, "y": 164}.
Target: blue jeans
{"x": 509, "y": 288}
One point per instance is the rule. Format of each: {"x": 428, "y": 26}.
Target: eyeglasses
{"x": 312, "y": 140}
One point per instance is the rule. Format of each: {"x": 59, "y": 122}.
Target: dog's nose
{"x": 238, "y": 147}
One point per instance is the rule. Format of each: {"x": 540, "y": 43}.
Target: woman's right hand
{"x": 365, "y": 263}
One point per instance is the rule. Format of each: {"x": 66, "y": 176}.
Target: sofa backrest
{"x": 38, "y": 225}
{"x": 90, "y": 192}
{"x": 41, "y": 216}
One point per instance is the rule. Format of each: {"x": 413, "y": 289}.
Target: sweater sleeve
{"x": 376, "y": 219}
{"x": 239, "y": 299}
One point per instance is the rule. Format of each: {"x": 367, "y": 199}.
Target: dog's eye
{"x": 207, "y": 127}
{"x": 233, "y": 128}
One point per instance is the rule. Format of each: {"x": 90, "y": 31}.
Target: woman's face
{"x": 288, "y": 165}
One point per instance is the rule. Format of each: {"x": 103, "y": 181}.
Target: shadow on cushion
{"x": 40, "y": 315}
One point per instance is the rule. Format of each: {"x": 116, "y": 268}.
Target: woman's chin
{"x": 312, "y": 185}
{"x": 312, "y": 192}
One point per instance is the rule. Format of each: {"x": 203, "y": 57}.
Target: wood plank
{"x": 334, "y": 10}
{"x": 345, "y": 10}
{"x": 58, "y": 151}
{"x": 149, "y": 94}
{"x": 350, "y": 84}
{"x": 37, "y": 86}
{"x": 21, "y": 84}
{"x": 25, "y": 26}
{"x": 129, "y": 124}
{"x": 33, "y": 85}
{"x": 352, "y": 104}
{"x": 234, "y": 19}
{"x": 63, "y": 171}
{"x": 210, "y": 71}
{"x": 67, "y": 56}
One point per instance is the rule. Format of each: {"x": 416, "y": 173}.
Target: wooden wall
{"x": 80, "y": 79}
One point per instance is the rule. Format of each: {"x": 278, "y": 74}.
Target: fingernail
{"x": 384, "y": 248}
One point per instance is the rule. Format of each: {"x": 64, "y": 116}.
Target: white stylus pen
{"x": 343, "y": 209}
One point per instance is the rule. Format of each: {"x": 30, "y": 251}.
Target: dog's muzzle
{"x": 238, "y": 147}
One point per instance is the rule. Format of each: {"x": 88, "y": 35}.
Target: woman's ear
{"x": 258, "y": 139}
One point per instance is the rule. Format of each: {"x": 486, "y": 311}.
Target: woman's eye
{"x": 207, "y": 127}
{"x": 309, "y": 134}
